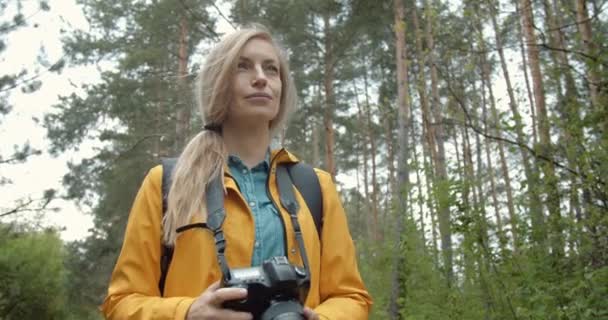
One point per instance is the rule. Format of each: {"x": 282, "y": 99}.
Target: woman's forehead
{"x": 259, "y": 49}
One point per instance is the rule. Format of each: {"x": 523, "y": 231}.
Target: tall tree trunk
{"x": 428, "y": 173}
{"x": 545, "y": 145}
{"x": 328, "y": 81}
{"x": 486, "y": 79}
{"x": 584, "y": 28}
{"x": 388, "y": 131}
{"x": 536, "y": 214}
{"x": 158, "y": 121}
{"x": 397, "y": 290}
{"x": 428, "y": 129}
{"x": 513, "y": 220}
{"x": 372, "y": 220}
{"x": 373, "y": 151}
{"x": 316, "y": 157}
{"x": 441, "y": 174}
{"x": 484, "y": 84}
{"x": 420, "y": 200}
{"x": 183, "y": 113}
{"x": 571, "y": 134}
{"x": 522, "y": 50}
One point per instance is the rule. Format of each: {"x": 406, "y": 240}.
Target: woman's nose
{"x": 259, "y": 78}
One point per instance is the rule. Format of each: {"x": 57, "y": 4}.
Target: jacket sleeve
{"x": 133, "y": 290}
{"x": 342, "y": 292}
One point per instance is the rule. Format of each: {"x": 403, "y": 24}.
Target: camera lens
{"x": 284, "y": 310}
{"x": 289, "y": 316}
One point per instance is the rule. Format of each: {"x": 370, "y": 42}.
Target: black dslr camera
{"x": 275, "y": 291}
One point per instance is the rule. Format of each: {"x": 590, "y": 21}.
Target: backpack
{"x": 303, "y": 177}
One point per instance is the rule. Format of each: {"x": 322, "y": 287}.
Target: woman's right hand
{"x": 208, "y": 306}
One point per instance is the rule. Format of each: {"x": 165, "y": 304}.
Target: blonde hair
{"x": 204, "y": 156}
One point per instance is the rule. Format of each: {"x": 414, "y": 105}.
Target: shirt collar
{"x": 235, "y": 162}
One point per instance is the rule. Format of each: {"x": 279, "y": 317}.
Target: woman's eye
{"x": 272, "y": 69}
{"x": 242, "y": 66}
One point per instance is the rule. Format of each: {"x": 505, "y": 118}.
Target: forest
{"x": 469, "y": 140}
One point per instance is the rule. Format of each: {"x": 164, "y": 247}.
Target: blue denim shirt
{"x": 269, "y": 232}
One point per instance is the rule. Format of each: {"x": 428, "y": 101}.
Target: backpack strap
{"x": 165, "y": 251}
{"x": 307, "y": 182}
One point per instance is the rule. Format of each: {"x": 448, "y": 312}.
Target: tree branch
{"x": 198, "y": 18}
{"x": 469, "y": 124}
{"x": 26, "y": 206}
{"x": 222, "y": 15}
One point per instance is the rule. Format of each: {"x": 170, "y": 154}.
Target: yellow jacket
{"x": 336, "y": 291}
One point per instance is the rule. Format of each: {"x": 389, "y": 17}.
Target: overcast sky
{"x": 30, "y": 179}
{"x": 18, "y": 127}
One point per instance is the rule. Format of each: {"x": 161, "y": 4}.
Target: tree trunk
{"x": 485, "y": 75}
{"x": 328, "y": 81}
{"x": 428, "y": 172}
{"x": 419, "y": 198}
{"x": 524, "y": 60}
{"x": 484, "y": 84}
{"x": 571, "y": 133}
{"x": 584, "y": 28}
{"x": 503, "y": 163}
{"x": 372, "y": 221}
{"x": 536, "y": 214}
{"x": 183, "y": 113}
{"x": 373, "y": 151}
{"x": 397, "y": 290}
{"x": 316, "y": 158}
{"x": 545, "y": 145}
{"x": 442, "y": 184}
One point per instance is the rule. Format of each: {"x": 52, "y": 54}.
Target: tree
{"x": 137, "y": 113}
{"x": 403, "y": 182}
{"x": 32, "y": 277}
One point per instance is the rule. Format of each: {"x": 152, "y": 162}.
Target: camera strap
{"x": 288, "y": 201}
{"x": 216, "y": 215}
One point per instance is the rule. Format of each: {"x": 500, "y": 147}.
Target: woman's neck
{"x": 248, "y": 143}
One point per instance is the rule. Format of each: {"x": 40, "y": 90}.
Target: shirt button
{"x": 293, "y": 250}
{"x": 257, "y": 244}
{"x": 244, "y": 171}
{"x": 252, "y": 204}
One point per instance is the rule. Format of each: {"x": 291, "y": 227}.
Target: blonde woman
{"x": 245, "y": 93}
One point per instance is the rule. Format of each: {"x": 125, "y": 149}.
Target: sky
{"x": 42, "y": 172}
{"x": 29, "y": 180}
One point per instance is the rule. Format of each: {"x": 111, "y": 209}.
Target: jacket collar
{"x": 281, "y": 156}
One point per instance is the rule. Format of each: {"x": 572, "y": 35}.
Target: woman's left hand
{"x": 310, "y": 315}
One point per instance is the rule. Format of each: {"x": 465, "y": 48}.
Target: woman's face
{"x": 256, "y": 84}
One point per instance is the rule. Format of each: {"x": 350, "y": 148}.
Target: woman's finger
{"x": 309, "y": 314}
{"x": 221, "y": 295}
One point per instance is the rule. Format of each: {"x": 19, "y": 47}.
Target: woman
{"x": 245, "y": 93}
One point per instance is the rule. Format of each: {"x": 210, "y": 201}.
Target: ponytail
{"x": 201, "y": 161}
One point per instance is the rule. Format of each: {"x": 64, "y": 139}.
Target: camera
{"x": 276, "y": 290}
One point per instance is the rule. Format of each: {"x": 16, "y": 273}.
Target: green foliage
{"x": 131, "y": 112}
{"x": 32, "y": 275}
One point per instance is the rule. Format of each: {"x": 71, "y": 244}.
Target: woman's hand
{"x": 310, "y": 315}
{"x": 208, "y": 306}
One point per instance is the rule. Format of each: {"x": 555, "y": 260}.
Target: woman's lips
{"x": 259, "y": 96}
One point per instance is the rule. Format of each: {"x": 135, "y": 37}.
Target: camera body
{"x": 276, "y": 290}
